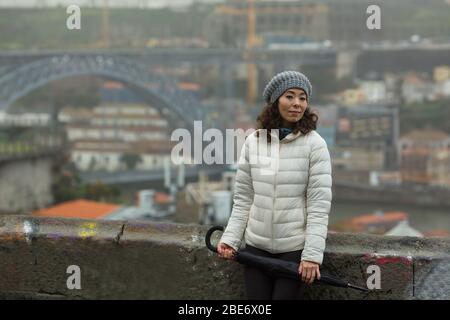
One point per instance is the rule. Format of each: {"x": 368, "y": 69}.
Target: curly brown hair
{"x": 270, "y": 118}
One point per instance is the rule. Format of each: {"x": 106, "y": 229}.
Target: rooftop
{"x": 81, "y": 208}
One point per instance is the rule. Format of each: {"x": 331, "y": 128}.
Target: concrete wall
{"x": 25, "y": 183}
{"x": 134, "y": 260}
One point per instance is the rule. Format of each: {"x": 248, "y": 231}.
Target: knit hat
{"x": 283, "y": 81}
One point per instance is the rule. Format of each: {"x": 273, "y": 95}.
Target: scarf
{"x": 284, "y": 132}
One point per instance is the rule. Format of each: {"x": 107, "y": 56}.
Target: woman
{"x": 282, "y": 215}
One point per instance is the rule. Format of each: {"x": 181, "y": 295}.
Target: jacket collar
{"x": 290, "y": 137}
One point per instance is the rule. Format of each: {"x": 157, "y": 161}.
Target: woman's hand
{"x": 309, "y": 271}
{"x": 225, "y": 251}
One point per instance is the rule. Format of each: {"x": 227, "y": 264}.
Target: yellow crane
{"x": 105, "y": 25}
{"x": 253, "y": 40}
{"x": 104, "y": 41}
{"x": 251, "y": 43}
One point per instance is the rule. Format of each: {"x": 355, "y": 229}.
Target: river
{"x": 421, "y": 219}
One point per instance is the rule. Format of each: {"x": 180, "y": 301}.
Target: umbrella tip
{"x": 358, "y": 287}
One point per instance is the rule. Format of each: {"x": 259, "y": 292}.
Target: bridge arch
{"x": 180, "y": 106}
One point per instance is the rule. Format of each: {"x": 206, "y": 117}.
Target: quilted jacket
{"x": 282, "y": 200}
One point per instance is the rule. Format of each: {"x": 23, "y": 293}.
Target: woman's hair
{"x": 270, "y": 118}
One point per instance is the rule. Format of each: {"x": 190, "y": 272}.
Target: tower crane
{"x": 253, "y": 40}
{"x": 105, "y": 25}
{"x": 104, "y": 41}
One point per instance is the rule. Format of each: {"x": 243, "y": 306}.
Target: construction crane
{"x": 253, "y": 40}
{"x": 251, "y": 43}
{"x": 105, "y": 25}
{"x": 104, "y": 41}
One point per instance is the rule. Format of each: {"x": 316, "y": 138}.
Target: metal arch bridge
{"x": 161, "y": 92}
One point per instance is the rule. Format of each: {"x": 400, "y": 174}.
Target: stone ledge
{"x": 136, "y": 260}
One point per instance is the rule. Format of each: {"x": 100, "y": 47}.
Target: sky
{"x": 111, "y": 3}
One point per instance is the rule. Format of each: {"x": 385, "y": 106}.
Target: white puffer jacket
{"x": 282, "y": 207}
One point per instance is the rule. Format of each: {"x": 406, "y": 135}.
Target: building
{"x": 441, "y": 73}
{"x": 206, "y": 202}
{"x": 227, "y": 26}
{"x": 416, "y": 88}
{"x": 358, "y": 159}
{"x": 342, "y": 21}
{"x": 369, "y": 133}
{"x": 441, "y": 77}
{"x": 424, "y": 157}
{"x": 352, "y": 97}
{"x": 114, "y": 92}
{"x": 368, "y": 92}
{"x": 26, "y": 119}
{"x": 374, "y": 91}
{"x": 117, "y": 137}
{"x": 439, "y": 168}
{"x": 442, "y": 89}
{"x": 327, "y": 123}
{"x": 117, "y": 155}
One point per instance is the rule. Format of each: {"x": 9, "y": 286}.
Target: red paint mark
{"x": 382, "y": 260}
{"x": 402, "y": 260}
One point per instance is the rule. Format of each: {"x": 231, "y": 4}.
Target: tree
{"x": 67, "y": 185}
{"x": 66, "y": 181}
{"x": 130, "y": 160}
{"x": 92, "y": 163}
{"x": 99, "y": 191}
{"x": 418, "y": 116}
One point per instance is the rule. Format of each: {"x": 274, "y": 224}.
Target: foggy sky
{"x": 97, "y": 3}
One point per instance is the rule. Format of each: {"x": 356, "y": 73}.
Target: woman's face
{"x": 292, "y": 105}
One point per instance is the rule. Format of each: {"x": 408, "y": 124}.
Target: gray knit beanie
{"x": 286, "y": 80}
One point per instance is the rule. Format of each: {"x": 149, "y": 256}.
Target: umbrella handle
{"x": 208, "y": 238}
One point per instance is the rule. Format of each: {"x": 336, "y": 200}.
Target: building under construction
{"x": 320, "y": 20}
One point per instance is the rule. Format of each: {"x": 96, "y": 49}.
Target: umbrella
{"x": 279, "y": 267}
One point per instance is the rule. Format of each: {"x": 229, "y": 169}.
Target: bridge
{"x": 222, "y": 56}
{"x": 180, "y": 107}
{"x": 359, "y": 61}
{"x": 226, "y": 60}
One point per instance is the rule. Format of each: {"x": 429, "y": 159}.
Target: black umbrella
{"x": 279, "y": 267}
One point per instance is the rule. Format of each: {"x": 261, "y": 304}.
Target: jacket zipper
{"x": 275, "y": 192}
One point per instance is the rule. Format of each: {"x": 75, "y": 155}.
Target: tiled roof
{"x": 161, "y": 198}
{"x": 112, "y": 85}
{"x": 191, "y": 86}
{"x": 81, "y": 208}
{"x": 437, "y": 233}
{"x": 375, "y": 218}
